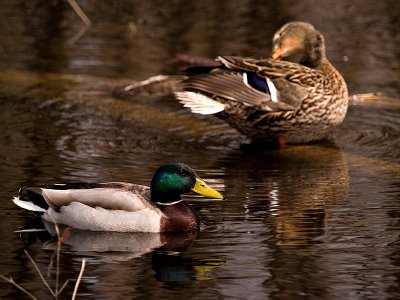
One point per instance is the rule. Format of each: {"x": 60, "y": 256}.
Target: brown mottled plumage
{"x": 269, "y": 99}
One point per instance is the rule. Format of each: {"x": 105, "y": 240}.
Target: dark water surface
{"x": 307, "y": 222}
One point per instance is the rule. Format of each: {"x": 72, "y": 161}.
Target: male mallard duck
{"x": 118, "y": 206}
{"x": 272, "y": 100}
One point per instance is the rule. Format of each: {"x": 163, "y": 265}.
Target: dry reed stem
{"x": 78, "y": 10}
{"x": 40, "y": 273}
{"x": 79, "y": 279}
{"x": 75, "y": 6}
{"x": 63, "y": 286}
{"x": 10, "y": 280}
{"x": 57, "y": 291}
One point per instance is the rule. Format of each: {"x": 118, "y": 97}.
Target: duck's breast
{"x": 178, "y": 217}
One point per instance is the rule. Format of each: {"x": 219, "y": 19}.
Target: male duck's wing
{"x": 112, "y": 195}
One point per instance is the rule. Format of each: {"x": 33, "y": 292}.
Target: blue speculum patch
{"x": 257, "y": 82}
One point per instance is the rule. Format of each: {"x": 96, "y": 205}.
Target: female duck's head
{"x": 173, "y": 179}
{"x": 299, "y": 42}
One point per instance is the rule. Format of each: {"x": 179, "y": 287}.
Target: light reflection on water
{"x": 316, "y": 221}
{"x": 290, "y": 218}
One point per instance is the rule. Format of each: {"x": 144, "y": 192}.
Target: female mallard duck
{"x": 124, "y": 207}
{"x": 273, "y": 100}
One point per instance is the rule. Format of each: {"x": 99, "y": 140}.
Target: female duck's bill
{"x": 119, "y": 206}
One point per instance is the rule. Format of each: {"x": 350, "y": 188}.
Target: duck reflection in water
{"x": 300, "y": 185}
{"x": 167, "y": 249}
{"x": 176, "y": 270}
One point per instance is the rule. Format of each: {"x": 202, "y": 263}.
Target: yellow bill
{"x": 203, "y": 189}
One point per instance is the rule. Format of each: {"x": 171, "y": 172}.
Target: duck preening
{"x": 119, "y": 206}
{"x": 295, "y": 96}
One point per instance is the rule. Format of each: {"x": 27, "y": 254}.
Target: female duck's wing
{"x": 111, "y": 195}
{"x": 266, "y": 85}
{"x": 291, "y": 80}
{"x": 209, "y": 93}
{"x": 225, "y": 84}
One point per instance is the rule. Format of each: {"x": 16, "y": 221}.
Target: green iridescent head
{"x": 174, "y": 179}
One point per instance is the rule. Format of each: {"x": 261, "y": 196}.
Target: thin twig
{"x": 80, "y": 12}
{"x": 10, "y": 280}
{"x": 40, "y": 273}
{"x": 51, "y": 264}
{"x": 79, "y": 279}
{"x": 56, "y": 293}
{"x": 63, "y": 286}
{"x": 57, "y": 258}
{"x": 77, "y": 36}
{"x": 50, "y": 267}
{"x": 55, "y": 227}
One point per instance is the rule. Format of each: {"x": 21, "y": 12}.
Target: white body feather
{"x": 84, "y": 217}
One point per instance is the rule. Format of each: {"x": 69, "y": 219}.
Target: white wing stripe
{"x": 199, "y": 103}
{"x": 272, "y": 89}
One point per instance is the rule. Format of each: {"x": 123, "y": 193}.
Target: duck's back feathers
{"x": 273, "y": 69}
{"x": 110, "y": 195}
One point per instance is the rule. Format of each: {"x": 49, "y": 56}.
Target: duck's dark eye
{"x": 276, "y": 37}
{"x": 182, "y": 173}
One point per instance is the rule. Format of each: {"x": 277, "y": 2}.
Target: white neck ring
{"x": 169, "y": 203}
